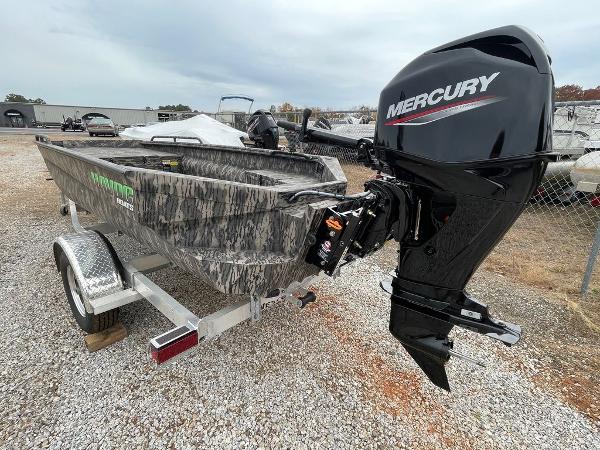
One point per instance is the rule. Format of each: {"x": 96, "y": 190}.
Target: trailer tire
{"x": 91, "y": 134}
{"x": 88, "y": 322}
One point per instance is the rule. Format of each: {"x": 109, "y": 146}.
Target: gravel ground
{"x": 329, "y": 376}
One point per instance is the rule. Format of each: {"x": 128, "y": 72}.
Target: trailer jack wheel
{"x": 310, "y": 297}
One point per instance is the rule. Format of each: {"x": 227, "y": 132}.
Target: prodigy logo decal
{"x": 419, "y": 102}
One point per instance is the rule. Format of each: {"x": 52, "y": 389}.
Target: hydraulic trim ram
{"x": 456, "y": 170}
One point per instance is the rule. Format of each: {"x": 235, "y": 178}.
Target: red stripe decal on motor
{"x": 437, "y": 109}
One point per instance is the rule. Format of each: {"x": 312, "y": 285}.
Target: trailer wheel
{"x": 91, "y": 134}
{"x": 91, "y": 323}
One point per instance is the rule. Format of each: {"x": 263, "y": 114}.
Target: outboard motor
{"x": 468, "y": 127}
{"x": 463, "y": 134}
{"x": 262, "y": 130}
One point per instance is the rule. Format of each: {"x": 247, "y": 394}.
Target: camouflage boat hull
{"x": 221, "y": 213}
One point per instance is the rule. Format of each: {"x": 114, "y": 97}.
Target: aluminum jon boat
{"x": 221, "y": 213}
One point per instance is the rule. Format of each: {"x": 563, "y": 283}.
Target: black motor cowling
{"x": 467, "y": 127}
{"x": 262, "y": 130}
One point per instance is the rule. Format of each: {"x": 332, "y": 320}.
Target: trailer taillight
{"x": 173, "y": 343}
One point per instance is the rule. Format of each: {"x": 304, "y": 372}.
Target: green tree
{"x": 179, "y": 107}
{"x": 18, "y": 98}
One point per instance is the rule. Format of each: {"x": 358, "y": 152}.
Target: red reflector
{"x": 163, "y": 353}
{"x": 595, "y": 201}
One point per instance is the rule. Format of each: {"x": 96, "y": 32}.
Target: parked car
{"x": 99, "y": 125}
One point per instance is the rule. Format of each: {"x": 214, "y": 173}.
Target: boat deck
{"x": 116, "y": 152}
{"x": 145, "y": 158}
{"x": 238, "y": 168}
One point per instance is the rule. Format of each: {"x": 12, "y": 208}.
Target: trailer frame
{"x": 189, "y": 329}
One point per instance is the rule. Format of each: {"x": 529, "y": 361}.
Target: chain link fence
{"x": 569, "y": 188}
{"x": 567, "y": 202}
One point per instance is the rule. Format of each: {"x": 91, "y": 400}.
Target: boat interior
{"x": 243, "y": 165}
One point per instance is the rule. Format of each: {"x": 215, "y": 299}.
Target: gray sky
{"x": 311, "y": 53}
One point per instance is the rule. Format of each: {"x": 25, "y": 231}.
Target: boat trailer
{"x": 100, "y": 281}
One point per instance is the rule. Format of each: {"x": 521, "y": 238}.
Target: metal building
{"x": 32, "y": 115}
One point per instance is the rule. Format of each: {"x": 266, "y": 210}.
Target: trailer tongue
{"x": 458, "y": 172}
{"x": 455, "y": 170}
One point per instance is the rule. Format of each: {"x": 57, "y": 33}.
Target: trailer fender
{"x": 93, "y": 264}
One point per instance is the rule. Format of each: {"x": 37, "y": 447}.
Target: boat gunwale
{"x": 125, "y": 170}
